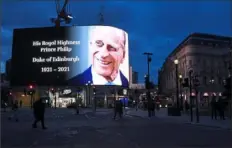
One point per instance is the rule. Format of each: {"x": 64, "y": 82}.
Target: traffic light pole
{"x": 31, "y": 101}
{"x": 77, "y": 102}
{"x": 197, "y": 106}
{"x": 230, "y": 81}
{"x": 181, "y": 96}
{"x": 196, "y": 84}
{"x": 190, "y": 95}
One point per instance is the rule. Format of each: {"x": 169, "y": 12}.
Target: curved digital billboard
{"x": 73, "y": 56}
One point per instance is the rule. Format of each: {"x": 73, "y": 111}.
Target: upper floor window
{"x": 190, "y": 63}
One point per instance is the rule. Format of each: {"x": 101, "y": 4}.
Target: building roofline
{"x": 200, "y": 35}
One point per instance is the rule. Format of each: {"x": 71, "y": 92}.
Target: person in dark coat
{"x": 118, "y": 109}
{"x": 15, "y": 111}
{"x": 214, "y": 108}
{"x": 221, "y": 109}
{"x": 39, "y": 110}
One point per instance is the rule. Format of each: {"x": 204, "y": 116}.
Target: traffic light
{"x": 52, "y": 90}
{"x": 31, "y": 90}
{"x": 9, "y": 92}
{"x": 94, "y": 90}
{"x": 186, "y": 82}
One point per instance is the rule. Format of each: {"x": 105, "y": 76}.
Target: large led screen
{"x": 73, "y": 56}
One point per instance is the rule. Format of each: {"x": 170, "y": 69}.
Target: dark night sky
{"x": 153, "y": 26}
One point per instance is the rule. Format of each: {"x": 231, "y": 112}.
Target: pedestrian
{"x": 118, "y": 109}
{"x": 214, "y": 107}
{"x": 221, "y": 109}
{"x": 14, "y": 114}
{"x": 39, "y": 110}
{"x": 20, "y": 103}
{"x": 3, "y": 105}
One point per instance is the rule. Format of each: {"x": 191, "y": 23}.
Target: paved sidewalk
{"x": 204, "y": 120}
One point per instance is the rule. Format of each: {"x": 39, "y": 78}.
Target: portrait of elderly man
{"x": 108, "y": 49}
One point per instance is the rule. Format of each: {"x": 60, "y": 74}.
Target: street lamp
{"x": 148, "y": 63}
{"x": 196, "y": 85}
{"x": 230, "y": 76}
{"x": 147, "y": 81}
{"x": 176, "y": 62}
{"x": 181, "y": 96}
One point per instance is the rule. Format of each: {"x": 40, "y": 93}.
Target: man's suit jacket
{"x": 86, "y": 76}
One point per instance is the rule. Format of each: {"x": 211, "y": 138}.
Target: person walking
{"x": 39, "y": 111}
{"x": 214, "y": 108}
{"x": 118, "y": 109}
{"x": 221, "y": 108}
{"x": 20, "y": 103}
{"x": 14, "y": 114}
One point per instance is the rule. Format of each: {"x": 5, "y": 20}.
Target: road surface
{"x": 87, "y": 130}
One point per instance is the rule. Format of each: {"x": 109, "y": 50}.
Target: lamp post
{"x": 176, "y": 62}
{"x": 181, "y": 97}
{"x": 148, "y": 80}
{"x": 196, "y": 85}
{"x": 148, "y": 63}
{"x": 230, "y": 75}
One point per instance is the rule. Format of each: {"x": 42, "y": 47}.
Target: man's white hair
{"x": 119, "y": 32}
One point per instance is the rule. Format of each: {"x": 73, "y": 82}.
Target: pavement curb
{"x": 188, "y": 123}
{"x": 211, "y": 126}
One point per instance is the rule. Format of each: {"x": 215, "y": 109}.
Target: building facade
{"x": 207, "y": 56}
{"x": 135, "y": 76}
{"x": 8, "y": 69}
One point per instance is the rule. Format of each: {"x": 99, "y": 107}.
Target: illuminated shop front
{"x": 63, "y": 97}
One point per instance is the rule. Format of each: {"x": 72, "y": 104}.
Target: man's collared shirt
{"x": 100, "y": 80}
